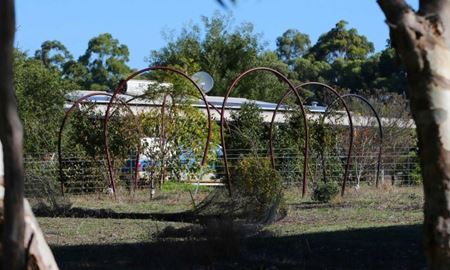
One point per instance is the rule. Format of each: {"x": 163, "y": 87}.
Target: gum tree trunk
{"x": 422, "y": 40}
{"x": 11, "y": 138}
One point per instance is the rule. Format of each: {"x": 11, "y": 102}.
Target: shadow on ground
{"x": 396, "y": 247}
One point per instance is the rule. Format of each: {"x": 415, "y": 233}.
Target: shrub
{"x": 416, "y": 175}
{"x": 259, "y": 185}
{"x": 325, "y": 191}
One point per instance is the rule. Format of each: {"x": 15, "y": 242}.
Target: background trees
{"x": 341, "y": 57}
{"x": 40, "y": 93}
{"x": 53, "y": 54}
{"x": 292, "y": 45}
{"x": 105, "y": 61}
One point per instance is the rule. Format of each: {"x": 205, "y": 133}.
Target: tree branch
{"x": 437, "y": 13}
{"x": 394, "y": 9}
{"x": 432, "y": 6}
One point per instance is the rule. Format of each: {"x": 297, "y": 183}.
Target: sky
{"x": 139, "y": 23}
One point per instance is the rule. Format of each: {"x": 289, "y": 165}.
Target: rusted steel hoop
{"x": 350, "y": 124}
{"x": 162, "y": 118}
{"x": 121, "y": 86}
{"x": 222, "y": 117}
{"x": 63, "y": 123}
{"x": 380, "y": 128}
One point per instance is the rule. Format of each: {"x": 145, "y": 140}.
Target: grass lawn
{"x": 368, "y": 229}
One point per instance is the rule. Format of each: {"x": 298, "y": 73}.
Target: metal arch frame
{"x": 338, "y": 97}
{"x": 222, "y": 116}
{"x": 350, "y": 122}
{"x": 380, "y": 129}
{"x": 163, "y": 108}
{"x": 120, "y": 87}
{"x": 67, "y": 116}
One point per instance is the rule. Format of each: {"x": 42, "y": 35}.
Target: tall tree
{"x": 291, "y": 45}
{"x": 11, "y": 138}
{"x": 220, "y": 49}
{"x": 40, "y": 97}
{"x": 105, "y": 60}
{"x": 341, "y": 43}
{"x": 53, "y": 54}
{"x": 422, "y": 39}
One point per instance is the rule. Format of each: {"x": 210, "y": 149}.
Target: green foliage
{"x": 105, "y": 60}
{"x": 222, "y": 51}
{"x": 53, "y": 54}
{"x": 87, "y": 125}
{"x": 176, "y": 187}
{"x": 86, "y": 170}
{"x": 292, "y": 45}
{"x": 263, "y": 85}
{"x": 40, "y": 97}
{"x": 289, "y": 140}
{"x": 311, "y": 70}
{"x": 41, "y": 182}
{"x": 76, "y": 72}
{"x": 83, "y": 174}
{"x": 246, "y": 129}
{"x": 324, "y": 191}
{"x": 258, "y": 183}
{"x": 325, "y": 152}
{"x": 184, "y": 133}
{"x": 414, "y": 173}
{"x": 341, "y": 43}
{"x": 341, "y": 57}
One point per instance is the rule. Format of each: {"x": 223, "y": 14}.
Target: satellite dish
{"x": 204, "y": 80}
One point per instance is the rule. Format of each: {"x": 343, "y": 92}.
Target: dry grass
{"x": 369, "y": 223}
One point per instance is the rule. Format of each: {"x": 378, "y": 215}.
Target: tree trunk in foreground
{"x": 24, "y": 245}
{"x": 422, "y": 39}
{"x": 11, "y": 138}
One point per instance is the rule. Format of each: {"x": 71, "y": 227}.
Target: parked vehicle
{"x": 130, "y": 165}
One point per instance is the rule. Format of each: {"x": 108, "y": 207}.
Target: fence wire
{"x": 82, "y": 175}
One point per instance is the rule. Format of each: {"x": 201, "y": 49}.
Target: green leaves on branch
{"x": 105, "y": 60}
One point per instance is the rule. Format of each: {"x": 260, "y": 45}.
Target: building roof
{"x": 233, "y": 103}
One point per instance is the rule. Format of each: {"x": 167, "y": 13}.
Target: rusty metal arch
{"x": 63, "y": 123}
{"x": 121, "y": 86}
{"x": 380, "y": 128}
{"x": 350, "y": 122}
{"x": 163, "y": 105}
{"x": 338, "y": 97}
{"x": 222, "y": 116}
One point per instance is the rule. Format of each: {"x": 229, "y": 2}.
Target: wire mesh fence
{"x": 82, "y": 175}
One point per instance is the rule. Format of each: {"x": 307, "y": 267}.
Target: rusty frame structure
{"x": 67, "y": 116}
{"x": 223, "y": 123}
{"x": 121, "y": 86}
{"x": 280, "y": 76}
{"x": 380, "y": 128}
{"x": 338, "y": 97}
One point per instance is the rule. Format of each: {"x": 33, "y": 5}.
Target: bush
{"x": 84, "y": 175}
{"x": 325, "y": 191}
{"x": 416, "y": 175}
{"x": 260, "y": 186}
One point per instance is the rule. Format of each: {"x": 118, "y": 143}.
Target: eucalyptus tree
{"x": 292, "y": 45}
{"x": 53, "y": 54}
{"x": 105, "y": 61}
{"x": 422, "y": 39}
